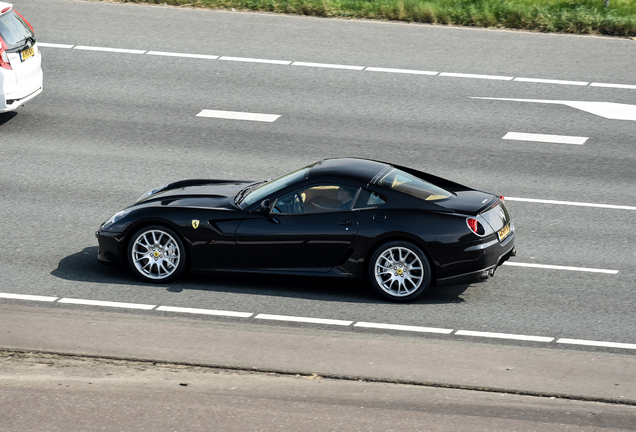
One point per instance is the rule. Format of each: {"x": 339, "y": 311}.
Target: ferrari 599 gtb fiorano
{"x": 401, "y": 229}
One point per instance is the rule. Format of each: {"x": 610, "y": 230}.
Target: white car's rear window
{"x": 14, "y": 31}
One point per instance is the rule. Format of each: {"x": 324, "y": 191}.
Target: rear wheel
{"x": 399, "y": 271}
{"x": 156, "y": 254}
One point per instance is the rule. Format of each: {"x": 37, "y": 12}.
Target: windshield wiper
{"x": 243, "y": 192}
{"x": 19, "y": 45}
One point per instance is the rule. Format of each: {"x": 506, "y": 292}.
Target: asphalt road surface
{"x": 118, "y": 116}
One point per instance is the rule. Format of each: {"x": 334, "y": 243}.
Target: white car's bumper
{"x": 22, "y": 83}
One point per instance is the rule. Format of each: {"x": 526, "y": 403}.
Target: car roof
{"x": 362, "y": 170}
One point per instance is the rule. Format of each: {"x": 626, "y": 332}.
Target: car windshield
{"x": 14, "y": 31}
{"x": 268, "y": 188}
{"x": 404, "y": 182}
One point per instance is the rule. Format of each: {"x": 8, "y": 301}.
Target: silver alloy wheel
{"x": 399, "y": 271}
{"x": 155, "y": 254}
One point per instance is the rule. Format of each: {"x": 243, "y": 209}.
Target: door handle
{"x": 346, "y": 222}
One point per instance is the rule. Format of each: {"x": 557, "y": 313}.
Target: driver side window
{"x": 323, "y": 198}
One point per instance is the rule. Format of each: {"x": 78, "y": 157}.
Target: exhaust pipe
{"x": 488, "y": 273}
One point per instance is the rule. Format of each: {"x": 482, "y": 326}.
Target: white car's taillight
{"x": 4, "y": 58}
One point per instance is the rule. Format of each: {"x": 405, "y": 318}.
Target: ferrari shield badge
{"x": 195, "y": 223}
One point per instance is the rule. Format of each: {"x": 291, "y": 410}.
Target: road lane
{"x": 128, "y": 123}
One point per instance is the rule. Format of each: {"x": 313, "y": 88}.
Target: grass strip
{"x": 560, "y": 16}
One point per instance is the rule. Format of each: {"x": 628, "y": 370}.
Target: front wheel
{"x": 156, "y": 254}
{"x": 399, "y": 271}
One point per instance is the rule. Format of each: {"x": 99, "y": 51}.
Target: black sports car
{"x": 402, "y": 229}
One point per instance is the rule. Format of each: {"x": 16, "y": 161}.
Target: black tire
{"x": 156, "y": 254}
{"x": 399, "y": 271}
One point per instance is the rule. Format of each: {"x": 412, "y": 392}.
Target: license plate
{"x": 29, "y": 52}
{"x": 503, "y": 233}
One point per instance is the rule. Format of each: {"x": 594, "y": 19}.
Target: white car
{"x": 20, "y": 60}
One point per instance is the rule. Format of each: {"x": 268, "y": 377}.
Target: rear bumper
{"x": 21, "y": 84}
{"x": 10, "y": 104}
{"x": 488, "y": 256}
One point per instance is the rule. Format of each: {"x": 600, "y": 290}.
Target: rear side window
{"x": 368, "y": 199}
{"x": 14, "y": 31}
{"x": 409, "y": 184}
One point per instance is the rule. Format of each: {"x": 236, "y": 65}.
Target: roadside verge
{"x": 385, "y": 357}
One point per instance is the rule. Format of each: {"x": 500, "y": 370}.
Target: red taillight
{"x": 5, "y": 9}
{"x": 4, "y": 58}
{"x": 501, "y": 197}
{"x": 475, "y": 226}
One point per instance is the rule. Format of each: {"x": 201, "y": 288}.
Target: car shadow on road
{"x": 6, "y": 117}
{"x": 83, "y": 266}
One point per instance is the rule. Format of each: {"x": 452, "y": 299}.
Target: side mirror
{"x": 266, "y": 206}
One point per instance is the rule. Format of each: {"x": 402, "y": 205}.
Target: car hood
{"x": 197, "y": 193}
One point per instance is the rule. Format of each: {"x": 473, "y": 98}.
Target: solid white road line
{"x": 107, "y": 304}
{"x": 236, "y": 115}
{"x": 28, "y": 297}
{"x": 463, "y": 75}
{"x": 503, "y": 336}
{"x": 303, "y": 319}
{"x": 571, "y": 203}
{"x": 402, "y": 71}
{"x": 555, "y": 267}
{"x": 51, "y": 45}
{"x": 252, "y": 60}
{"x": 205, "y": 311}
{"x": 186, "y": 55}
{"x": 404, "y": 328}
{"x": 115, "y": 50}
{"x": 556, "y": 139}
{"x": 620, "y": 86}
{"x": 597, "y": 343}
{"x": 330, "y": 66}
{"x": 546, "y": 81}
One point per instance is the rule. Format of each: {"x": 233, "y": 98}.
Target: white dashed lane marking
{"x": 556, "y": 267}
{"x": 303, "y": 319}
{"x": 328, "y": 66}
{"x": 504, "y": 336}
{"x": 115, "y": 50}
{"x": 236, "y": 115}
{"x": 204, "y": 311}
{"x": 474, "y": 76}
{"x": 546, "y": 81}
{"x": 572, "y": 203}
{"x": 401, "y": 71}
{"x": 185, "y": 55}
{"x": 555, "y": 139}
{"x": 28, "y": 297}
{"x": 252, "y": 60}
{"x": 337, "y": 66}
{"x": 107, "y": 304}
{"x": 597, "y": 343}
{"x": 404, "y": 328}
